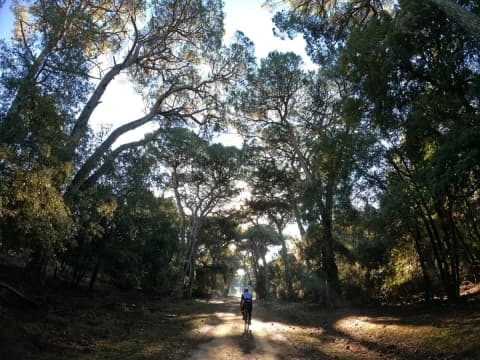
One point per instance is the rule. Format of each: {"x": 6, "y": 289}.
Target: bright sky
{"x": 121, "y": 104}
{"x": 255, "y": 22}
{"x": 6, "y": 20}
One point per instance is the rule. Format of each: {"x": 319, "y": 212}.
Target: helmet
{"x": 246, "y": 290}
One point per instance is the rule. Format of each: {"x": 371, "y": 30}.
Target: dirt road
{"x": 83, "y": 328}
{"x": 293, "y": 331}
{"x": 265, "y": 340}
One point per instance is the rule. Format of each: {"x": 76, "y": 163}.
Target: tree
{"x": 465, "y": 18}
{"x": 65, "y": 55}
{"x": 309, "y": 120}
{"x": 203, "y": 178}
{"x": 422, "y": 104}
{"x": 359, "y": 11}
{"x": 273, "y": 194}
{"x": 123, "y": 230}
{"x": 216, "y": 255}
{"x": 34, "y": 220}
{"x": 258, "y": 238}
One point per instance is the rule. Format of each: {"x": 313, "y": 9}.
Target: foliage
{"x": 374, "y": 155}
{"x": 34, "y": 218}
{"x": 80, "y": 199}
{"x": 255, "y": 241}
{"x": 130, "y": 235}
{"x": 217, "y": 260}
{"x": 404, "y": 273}
{"x": 403, "y": 77}
{"x": 35, "y": 221}
{"x": 203, "y": 178}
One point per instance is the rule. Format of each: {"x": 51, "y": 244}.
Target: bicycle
{"x": 247, "y": 319}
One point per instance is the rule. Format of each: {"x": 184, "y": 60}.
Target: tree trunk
{"x": 473, "y": 221}
{"x": 182, "y": 238}
{"x": 427, "y": 282}
{"x": 227, "y": 284}
{"x": 85, "y": 170}
{"x": 95, "y": 272}
{"x": 298, "y": 219}
{"x": 286, "y": 263}
{"x": 191, "y": 255}
{"x": 266, "y": 276}
{"x": 329, "y": 264}
{"x": 192, "y": 267}
{"x": 442, "y": 249}
{"x": 439, "y": 237}
{"x": 18, "y": 293}
{"x": 259, "y": 278}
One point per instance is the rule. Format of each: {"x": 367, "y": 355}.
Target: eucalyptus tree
{"x": 203, "y": 178}
{"x": 63, "y": 57}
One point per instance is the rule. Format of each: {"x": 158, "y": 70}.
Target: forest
{"x": 357, "y": 182}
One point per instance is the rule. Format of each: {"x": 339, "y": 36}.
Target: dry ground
{"x": 133, "y": 326}
{"x": 303, "y": 331}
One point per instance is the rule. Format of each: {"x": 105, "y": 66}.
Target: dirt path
{"x": 128, "y": 326}
{"x": 293, "y": 331}
{"x": 230, "y": 342}
{"x": 272, "y": 337}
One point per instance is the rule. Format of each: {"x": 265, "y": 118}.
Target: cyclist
{"x": 246, "y": 304}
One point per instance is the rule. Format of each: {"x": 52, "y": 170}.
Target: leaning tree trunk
{"x": 440, "y": 245}
{"x": 441, "y": 234}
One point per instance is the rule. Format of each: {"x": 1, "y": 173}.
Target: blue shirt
{"x": 247, "y": 297}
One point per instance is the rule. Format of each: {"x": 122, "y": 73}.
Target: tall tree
{"x": 218, "y": 258}
{"x": 65, "y": 55}
{"x": 203, "y": 178}
{"x": 275, "y": 193}
{"x": 418, "y": 92}
{"x": 309, "y": 119}
{"x": 257, "y": 240}
{"x": 353, "y": 11}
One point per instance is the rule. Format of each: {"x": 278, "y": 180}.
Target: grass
{"x": 450, "y": 332}
{"x": 121, "y": 326}
{"x": 103, "y": 327}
